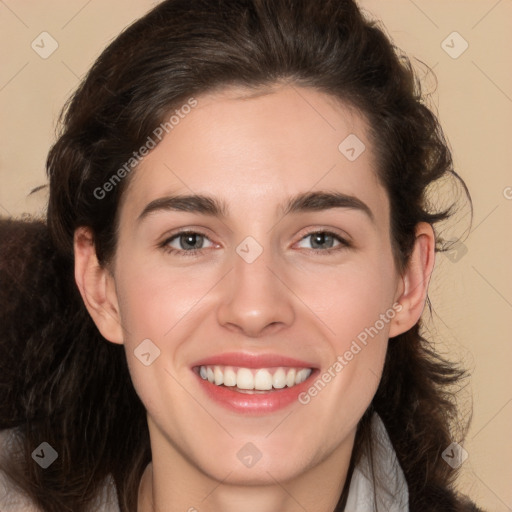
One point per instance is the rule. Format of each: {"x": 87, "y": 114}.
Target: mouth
{"x": 253, "y": 384}
{"x": 250, "y": 380}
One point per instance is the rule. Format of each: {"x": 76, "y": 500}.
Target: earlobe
{"x": 415, "y": 280}
{"x": 97, "y": 287}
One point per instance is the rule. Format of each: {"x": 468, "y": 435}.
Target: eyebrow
{"x": 211, "y": 206}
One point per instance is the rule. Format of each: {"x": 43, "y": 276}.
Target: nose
{"x": 255, "y": 299}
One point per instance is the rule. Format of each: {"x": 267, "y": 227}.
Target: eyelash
{"x": 343, "y": 244}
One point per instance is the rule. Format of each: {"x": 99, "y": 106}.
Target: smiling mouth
{"x": 253, "y": 380}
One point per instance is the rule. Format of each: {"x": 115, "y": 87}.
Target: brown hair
{"x": 61, "y": 382}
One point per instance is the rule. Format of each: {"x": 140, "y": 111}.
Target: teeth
{"x": 302, "y": 375}
{"x": 262, "y": 379}
{"x": 279, "y": 379}
{"x": 229, "y": 377}
{"x": 244, "y": 379}
{"x": 218, "y": 375}
{"x": 290, "y": 378}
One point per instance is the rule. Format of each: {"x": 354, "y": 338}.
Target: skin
{"x": 253, "y": 152}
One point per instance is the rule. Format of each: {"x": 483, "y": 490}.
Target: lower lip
{"x": 257, "y": 403}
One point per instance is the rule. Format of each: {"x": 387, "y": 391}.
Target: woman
{"x": 177, "y": 336}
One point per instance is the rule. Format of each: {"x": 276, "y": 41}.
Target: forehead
{"x": 254, "y": 148}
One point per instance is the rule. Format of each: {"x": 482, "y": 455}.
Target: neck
{"x": 171, "y": 483}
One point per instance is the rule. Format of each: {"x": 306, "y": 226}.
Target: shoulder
{"x": 13, "y": 499}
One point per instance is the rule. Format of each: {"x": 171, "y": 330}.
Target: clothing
{"x": 390, "y": 493}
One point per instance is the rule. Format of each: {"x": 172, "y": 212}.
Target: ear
{"x": 412, "y": 293}
{"x": 97, "y": 287}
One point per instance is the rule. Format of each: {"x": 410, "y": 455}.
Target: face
{"x": 264, "y": 291}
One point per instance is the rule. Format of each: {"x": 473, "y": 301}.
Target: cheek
{"x": 349, "y": 298}
{"x": 358, "y": 317}
{"x": 153, "y": 300}
{"x": 355, "y": 304}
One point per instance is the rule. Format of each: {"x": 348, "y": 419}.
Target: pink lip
{"x": 257, "y": 403}
{"x": 247, "y": 360}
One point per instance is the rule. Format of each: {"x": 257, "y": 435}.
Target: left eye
{"x": 324, "y": 240}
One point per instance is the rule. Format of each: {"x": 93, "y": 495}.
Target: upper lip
{"x": 247, "y": 360}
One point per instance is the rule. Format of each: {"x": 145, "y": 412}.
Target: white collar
{"x": 389, "y": 493}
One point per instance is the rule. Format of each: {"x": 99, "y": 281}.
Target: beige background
{"x": 471, "y": 292}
